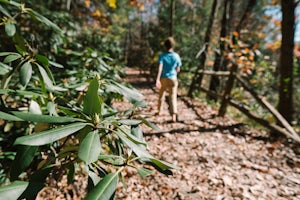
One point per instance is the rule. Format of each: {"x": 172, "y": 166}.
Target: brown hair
{"x": 169, "y": 43}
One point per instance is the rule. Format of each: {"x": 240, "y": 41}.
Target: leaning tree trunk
{"x": 196, "y": 82}
{"x": 285, "y": 105}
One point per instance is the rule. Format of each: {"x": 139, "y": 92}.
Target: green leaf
{"x": 49, "y": 136}
{"x": 56, "y": 64}
{"x": 40, "y": 175}
{"x": 105, "y": 189}
{"x": 137, "y": 131}
{"x": 44, "y": 118}
{"x": 43, "y": 19}
{"x": 3, "y": 10}
{"x": 6, "y": 91}
{"x": 32, "y": 191}
{"x": 9, "y": 117}
{"x": 25, "y": 155}
{"x": 6, "y": 53}
{"x": 12, "y": 57}
{"x": 13, "y": 191}
{"x": 92, "y": 102}
{"x": 94, "y": 178}
{"x": 28, "y": 93}
{"x": 10, "y": 28}
{"x": 163, "y": 165}
{"x": 131, "y": 94}
{"x": 113, "y": 159}
{"x": 71, "y": 173}
{"x": 4, "y": 68}
{"x": 42, "y": 59}
{"x": 143, "y": 172}
{"x": 90, "y": 148}
{"x": 137, "y": 149}
{"x": 130, "y": 122}
{"x": 45, "y": 77}
{"x": 132, "y": 137}
{"x": 25, "y": 73}
{"x": 150, "y": 124}
{"x": 35, "y": 108}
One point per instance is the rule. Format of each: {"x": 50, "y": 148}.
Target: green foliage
{"x": 58, "y": 115}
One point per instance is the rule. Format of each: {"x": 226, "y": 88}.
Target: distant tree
{"x": 202, "y": 53}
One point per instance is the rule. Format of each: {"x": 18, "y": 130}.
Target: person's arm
{"x": 178, "y": 69}
{"x": 158, "y": 84}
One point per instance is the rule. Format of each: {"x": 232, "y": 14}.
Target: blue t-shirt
{"x": 169, "y": 60}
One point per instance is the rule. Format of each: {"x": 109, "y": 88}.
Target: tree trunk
{"x": 250, "y": 6}
{"x": 285, "y": 105}
{"x": 172, "y": 11}
{"x": 215, "y": 82}
{"x": 196, "y": 82}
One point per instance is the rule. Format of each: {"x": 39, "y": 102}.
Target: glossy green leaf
{"x": 43, "y": 19}
{"x": 25, "y": 73}
{"x": 10, "y": 28}
{"x": 4, "y": 68}
{"x": 90, "y": 148}
{"x": 130, "y": 122}
{"x": 105, "y": 189}
{"x": 92, "y": 102}
{"x": 55, "y": 64}
{"x": 42, "y": 59}
{"x": 9, "y": 117}
{"x": 44, "y": 118}
{"x": 12, "y": 57}
{"x": 25, "y": 155}
{"x": 45, "y": 77}
{"x": 131, "y": 94}
{"x": 49, "y": 136}
{"x": 137, "y": 131}
{"x": 3, "y": 10}
{"x": 11, "y": 3}
{"x": 94, "y": 178}
{"x": 137, "y": 149}
{"x": 163, "y": 165}
{"x": 133, "y": 138}
{"x": 6, "y": 53}
{"x": 35, "y": 108}
{"x": 13, "y": 191}
{"x": 143, "y": 172}
{"x": 28, "y": 93}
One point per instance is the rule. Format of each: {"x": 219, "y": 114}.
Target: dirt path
{"x": 219, "y": 158}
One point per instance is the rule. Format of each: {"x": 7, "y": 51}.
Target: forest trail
{"x": 220, "y": 158}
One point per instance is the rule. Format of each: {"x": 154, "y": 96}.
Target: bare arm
{"x": 158, "y": 84}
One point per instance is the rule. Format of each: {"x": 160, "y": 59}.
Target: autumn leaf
{"x": 112, "y": 3}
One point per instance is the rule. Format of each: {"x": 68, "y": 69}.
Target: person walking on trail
{"x": 166, "y": 81}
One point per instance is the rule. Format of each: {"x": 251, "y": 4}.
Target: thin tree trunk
{"x": 246, "y": 15}
{"x": 196, "y": 82}
{"x": 215, "y": 81}
{"x": 285, "y": 105}
{"x": 172, "y": 11}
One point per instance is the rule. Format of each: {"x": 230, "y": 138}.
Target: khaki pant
{"x": 170, "y": 86}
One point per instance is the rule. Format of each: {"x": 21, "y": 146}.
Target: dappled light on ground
{"x": 220, "y": 158}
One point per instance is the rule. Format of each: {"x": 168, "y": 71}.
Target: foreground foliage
{"x": 60, "y": 117}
